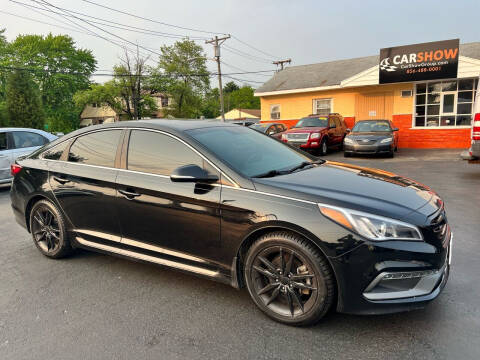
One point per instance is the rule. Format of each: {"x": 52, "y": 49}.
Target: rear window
{"x": 312, "y": 122}
{"x": 98, "y": 148}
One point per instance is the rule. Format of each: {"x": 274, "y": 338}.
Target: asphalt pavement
{"x": 94, "y": 306}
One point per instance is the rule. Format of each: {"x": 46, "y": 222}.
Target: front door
{"x": 448, "y": 106}
{"x": 156, "y": 214}
{"x": 84, "y": 185}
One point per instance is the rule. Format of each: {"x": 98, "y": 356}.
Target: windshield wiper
{"x": 303, "y": 165}
{"x": 270, "y": 173}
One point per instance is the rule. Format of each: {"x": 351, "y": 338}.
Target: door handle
{"x": 130, "y": 195}
{"x": 60, "y": 180}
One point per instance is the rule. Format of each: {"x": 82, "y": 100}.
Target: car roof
{"x": 37, "y": 131}
{"x": 373, "y": 120}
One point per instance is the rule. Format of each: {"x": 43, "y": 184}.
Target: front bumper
{"x": 388, "y": 278}
{"x": 368, "y": 149}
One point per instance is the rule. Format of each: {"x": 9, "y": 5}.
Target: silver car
{"x": 15, "y": 142}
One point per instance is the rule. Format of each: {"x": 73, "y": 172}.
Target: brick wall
{"x": 429, "y": 138}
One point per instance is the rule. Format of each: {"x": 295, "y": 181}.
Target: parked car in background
{"x": 275, "y": 130}
{"x": 15, "y": 142}
{"x": 222, "y": 201}
{"x": 243, "y": 122}
{"x": 371, "y": 137}
{"x": 475, "y": 147}
{"x": 317, "y": 133}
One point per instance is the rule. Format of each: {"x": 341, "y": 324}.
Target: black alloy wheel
{"x": 289, "y": 279}
{"x": 48, "y": 230}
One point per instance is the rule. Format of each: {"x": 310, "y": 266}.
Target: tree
{"x": 60, "y": 70}
{"x": 125, "y": 93}
{"x": 23, "y": 104}
{"x": 211, "y": 104}
{"x": 230, "y": 87}
{"x": 182, "y": 74}
{"x": 243, "y": 98}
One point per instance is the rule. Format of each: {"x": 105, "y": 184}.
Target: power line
{"x": 254, "y": 48}
{"x": 239, "y": 69}
{"x": 98, "y": 27}
{"x": 109, "y": 23}
{"x": 246, "y": 55}
{"x": 151, "y": 20}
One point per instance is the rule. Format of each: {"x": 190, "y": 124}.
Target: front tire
{"x": 323, "y": 147}
{"x": 289, "y": 279}
{"x": 47, "y": 225}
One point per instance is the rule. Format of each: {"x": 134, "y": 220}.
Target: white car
{"x": 475, "y": 149}
{"x": 15, "y": 142}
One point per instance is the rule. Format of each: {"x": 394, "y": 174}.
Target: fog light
{"x": 315, "y": 143}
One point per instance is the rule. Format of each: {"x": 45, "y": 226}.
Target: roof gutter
{"x": 296, "y": 91}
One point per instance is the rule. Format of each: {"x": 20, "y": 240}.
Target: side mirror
{"x": 348, "y": 131}
{"x": 395, "y": 129}
{"x": 192, "y": 173}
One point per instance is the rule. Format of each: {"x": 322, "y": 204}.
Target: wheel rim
{"x": 45, "y": 229}
{"x": 324, "y": 147}
{"x": 284, "y": 281}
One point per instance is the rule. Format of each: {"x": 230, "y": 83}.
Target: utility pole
{"x": 216, "y": 46}
{"x": 281, "y": 62}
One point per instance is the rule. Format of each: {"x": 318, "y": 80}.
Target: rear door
{"x": 332, "y": 131}
{"x": 169, "y": 217}
{"x": 6, "y": 157}
{"x": 83, "y": 182}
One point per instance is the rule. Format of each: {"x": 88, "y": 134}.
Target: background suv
{"x": 317, "y": 133}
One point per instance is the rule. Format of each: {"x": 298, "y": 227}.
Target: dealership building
{"x": 427, "y": 90}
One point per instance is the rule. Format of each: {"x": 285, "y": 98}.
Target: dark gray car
{"x": 371, "y": 137}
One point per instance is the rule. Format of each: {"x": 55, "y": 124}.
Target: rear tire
{"x": 47, "y": 225}
{"x": 289, "y": 279}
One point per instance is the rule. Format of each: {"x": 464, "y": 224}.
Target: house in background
{"x": 94, "y": 114}
{"x": 428, "y": 113}
{"x": 242, "y": 114}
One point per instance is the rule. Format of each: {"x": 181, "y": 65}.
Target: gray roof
{"x": 334, "y": 72}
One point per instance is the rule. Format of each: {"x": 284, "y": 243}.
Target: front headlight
{"x": 314, "y": 136}
{"x": 373, "y": 227}
{"x": 386, "y": 140}
{"x": 348, "y": 141}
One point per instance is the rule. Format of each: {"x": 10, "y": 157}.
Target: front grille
{"x": 366, "y": 142}
{"x": 297, "y": 137}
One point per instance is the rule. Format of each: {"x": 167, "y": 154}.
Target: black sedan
{"x": 371, "y": 137}
{"x": 222, "y": 201}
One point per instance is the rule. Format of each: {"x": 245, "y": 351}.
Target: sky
{"x": 307, "y": 31}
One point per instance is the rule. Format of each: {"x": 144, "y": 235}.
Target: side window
{"x": 156, "y": 153}
{"x": 3, "y": 141}
{"x": 279, "y": 128}
{"x": 25, "y": 139}
{"x": 98, "y": 148}
{"x": 55, "y": 152}
{"x": 331, "y": 122}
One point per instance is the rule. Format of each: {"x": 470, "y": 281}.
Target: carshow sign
{"x": 427, "y": 61}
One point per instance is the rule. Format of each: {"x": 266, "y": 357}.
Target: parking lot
{"x": 96, "y": 306}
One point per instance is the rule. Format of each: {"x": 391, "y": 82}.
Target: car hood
{"x": 364, "y": 189}
{"x": 305, "y": 129}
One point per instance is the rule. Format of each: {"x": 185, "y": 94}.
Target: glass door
{"x": 448, "y": 105}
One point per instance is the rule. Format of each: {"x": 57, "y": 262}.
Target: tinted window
{"x": 24, "y": 139}
{"x": 55, "y": 152}
{"x": 98, "y": 148}
{"x": 3, "y": 141}
{"x": 156, "y": 153}
{"x": 248, "y": 152}
{"x": 312, "y": 122}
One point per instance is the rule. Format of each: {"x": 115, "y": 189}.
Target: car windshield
{"x": 312, "y": 122}
{"x": 372, "y": 126}
{"x": 248, "y": 152}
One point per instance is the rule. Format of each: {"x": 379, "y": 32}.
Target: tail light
{"x": 284, "y": 137}
{"x": 15, "y": 169}
{"x": 476, "y": 127}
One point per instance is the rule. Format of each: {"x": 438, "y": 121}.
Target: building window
{"x": 444, "y": 103}
{"x": 406, "y": 93}
{"x": 164, "y": 100}
{"x": 274, "y": 112}
{"x": 322, "y": 106}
